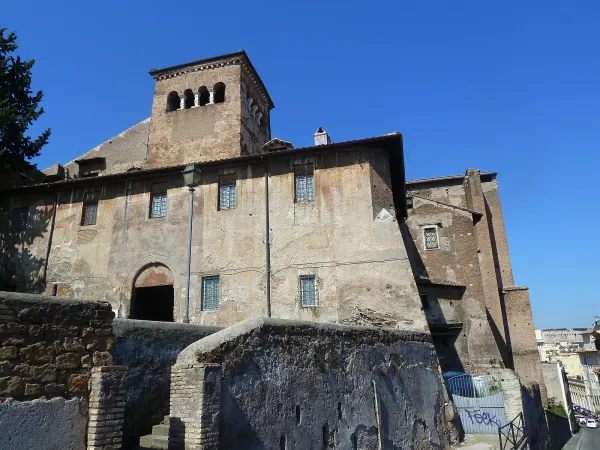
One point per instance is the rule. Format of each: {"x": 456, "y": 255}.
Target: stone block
{"x": 102, "y": 358}
{"x": 37, "y": 353}
{"x": 23, "y": 370}
{"x": 13, "y": 341}
{"x": 5, "y": 368}
{"x": 68, "y": 361}
{"x": 45, "y": 373}
{"x": 11, "y": 386}
{"x": 32, "y": 315}
{"x": 54, "y": 388}
{"x": 78, "y": 383}
{"x": 8, "y": 352}
{"x": 72, "y": 344}
{"x": 86, "y": 361}
{"x": 2, "y": 329}
{"x": 15, "y": 328}
{"x": 33, "y": 390}
{"x": 37, "y": 331}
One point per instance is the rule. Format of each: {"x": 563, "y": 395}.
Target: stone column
{"x": 211, "y": 93}
{"x": 196, "y": 99}
{"x": 106, "y": 408}
{"x": 181, "y": 101}
{"x": 195, "y": 407}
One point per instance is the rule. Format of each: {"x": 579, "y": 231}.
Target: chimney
{"x": 321, "y": 137}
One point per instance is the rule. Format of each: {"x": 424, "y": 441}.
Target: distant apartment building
{"x": 552, "y": 341}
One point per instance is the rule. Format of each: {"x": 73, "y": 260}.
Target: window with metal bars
{"x": 210, "y": 293}
{"x": 305, "y": 183}
{"x": 158, "y": 205}
{"x": 430, "y": 236}
{"x": 227, "y": 195}
{"x": 308, "y": 291}
{"x": 20, "y": 219}
{"x": 89, "y": 212}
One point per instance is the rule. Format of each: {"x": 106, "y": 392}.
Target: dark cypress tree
{"x": 19, "y": 108}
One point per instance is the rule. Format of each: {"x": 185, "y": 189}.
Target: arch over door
{"x": 153, "y": 295}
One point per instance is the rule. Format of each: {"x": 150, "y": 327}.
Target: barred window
{"x": 305, "y": 183}
{"x": 210, "y": 293}
{"x": 430, "y": 236}
{"x": 89, "y": 212}
{"x": 20, "y": 219}
{"x": 409, "y": 202}
{"x": 308, "y": 291}
{"x": 227, "y": 199}
{"x": 425, "y": 301}
{"x": 158, "y": 205}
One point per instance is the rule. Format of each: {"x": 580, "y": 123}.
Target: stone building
{"x": 324, "y": 233}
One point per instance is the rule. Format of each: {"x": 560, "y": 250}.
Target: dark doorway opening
{"x": 153, "y": 303}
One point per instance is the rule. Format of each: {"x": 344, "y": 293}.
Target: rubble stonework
{"x": 48, "y": 346}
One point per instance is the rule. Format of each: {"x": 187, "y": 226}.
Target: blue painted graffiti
{"x": 482, "y": 417}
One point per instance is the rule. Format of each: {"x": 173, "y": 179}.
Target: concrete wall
{"x": 552, "y": 381}
{"x": 149, "y": 349}
{"x": 307, "y": 385}
{"x": 51, "y": 424}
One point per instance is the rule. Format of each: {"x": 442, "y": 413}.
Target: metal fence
{"x": 512, "y": 435}
{"x": 479, "y": 401}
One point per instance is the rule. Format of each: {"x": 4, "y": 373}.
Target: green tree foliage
{"x": 19, "y": 108}
{"x": 556, "y": 407}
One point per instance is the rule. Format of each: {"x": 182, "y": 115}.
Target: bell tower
{"x": 215, "y": 108}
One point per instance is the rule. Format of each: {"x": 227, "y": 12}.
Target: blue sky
{"x": 510, "y": 86}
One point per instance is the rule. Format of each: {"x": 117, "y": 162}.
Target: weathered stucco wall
{"x": 305, "y": 385}
{"x": 368, "y": 282}
{"x": 149, "y": 349}
{"x": 54, "y": 424}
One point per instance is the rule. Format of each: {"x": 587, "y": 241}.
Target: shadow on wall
{"x": 444, "y": 338}
{"x": 534, "y": 417}
{"x": 20, "y": 269}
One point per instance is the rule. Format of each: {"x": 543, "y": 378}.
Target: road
{"x": 586, "y": 439}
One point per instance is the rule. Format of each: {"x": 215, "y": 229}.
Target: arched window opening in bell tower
{"x": 219, "y": 89}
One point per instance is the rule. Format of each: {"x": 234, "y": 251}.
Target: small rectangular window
{"x": 425, "y": 301}
{"x": 430, "y": 236}
{"x": 20, "y": 219}
{"x": 308, "y": 291}
{"x": 89, "y": 211}
{"x": 210, "y": 293}
{"x": 305, "y": 183}
{"x": 409, "y": 202}
{"x": 227, "y": 192}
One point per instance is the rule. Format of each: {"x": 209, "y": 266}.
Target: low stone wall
{"x": 266, "y": 383}
{"x": 48, "y": 345}
{"x": 149, "y": 349}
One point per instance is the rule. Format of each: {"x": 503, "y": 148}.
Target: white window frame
{"x": 437, "y": 236}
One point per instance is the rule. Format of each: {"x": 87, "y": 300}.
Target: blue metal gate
{"x": 480, "y": 402}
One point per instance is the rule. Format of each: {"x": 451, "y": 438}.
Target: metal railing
{"x": 512, "y": 435}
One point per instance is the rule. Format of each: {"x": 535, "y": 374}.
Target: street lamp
{"x": 191, "y": 178}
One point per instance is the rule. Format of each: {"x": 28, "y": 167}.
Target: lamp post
{"x": 191, "y": 178}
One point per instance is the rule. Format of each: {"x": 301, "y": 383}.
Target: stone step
{"x": 166, "y": 419}
{"x": 160, "y": 430}
{"x": 151, "y": 441}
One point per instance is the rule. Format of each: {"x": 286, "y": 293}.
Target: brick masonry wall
{"x": 195, "y": 407}
{"x": 48, "y": 346}
{"x": 107, "y": 407}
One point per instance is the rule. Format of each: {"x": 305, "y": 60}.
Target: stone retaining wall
{"x": 49, "y": 345}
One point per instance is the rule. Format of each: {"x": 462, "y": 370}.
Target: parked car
{"x": 582, "y": 420}
{"x": 591, "y": 423}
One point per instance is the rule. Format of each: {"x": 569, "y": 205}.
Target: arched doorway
{"x": 153, "y": 296}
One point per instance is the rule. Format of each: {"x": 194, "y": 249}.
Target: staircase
{"x": 159, "y": 437}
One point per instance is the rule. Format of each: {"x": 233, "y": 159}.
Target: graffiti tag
{"x": 477, "y": 416}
